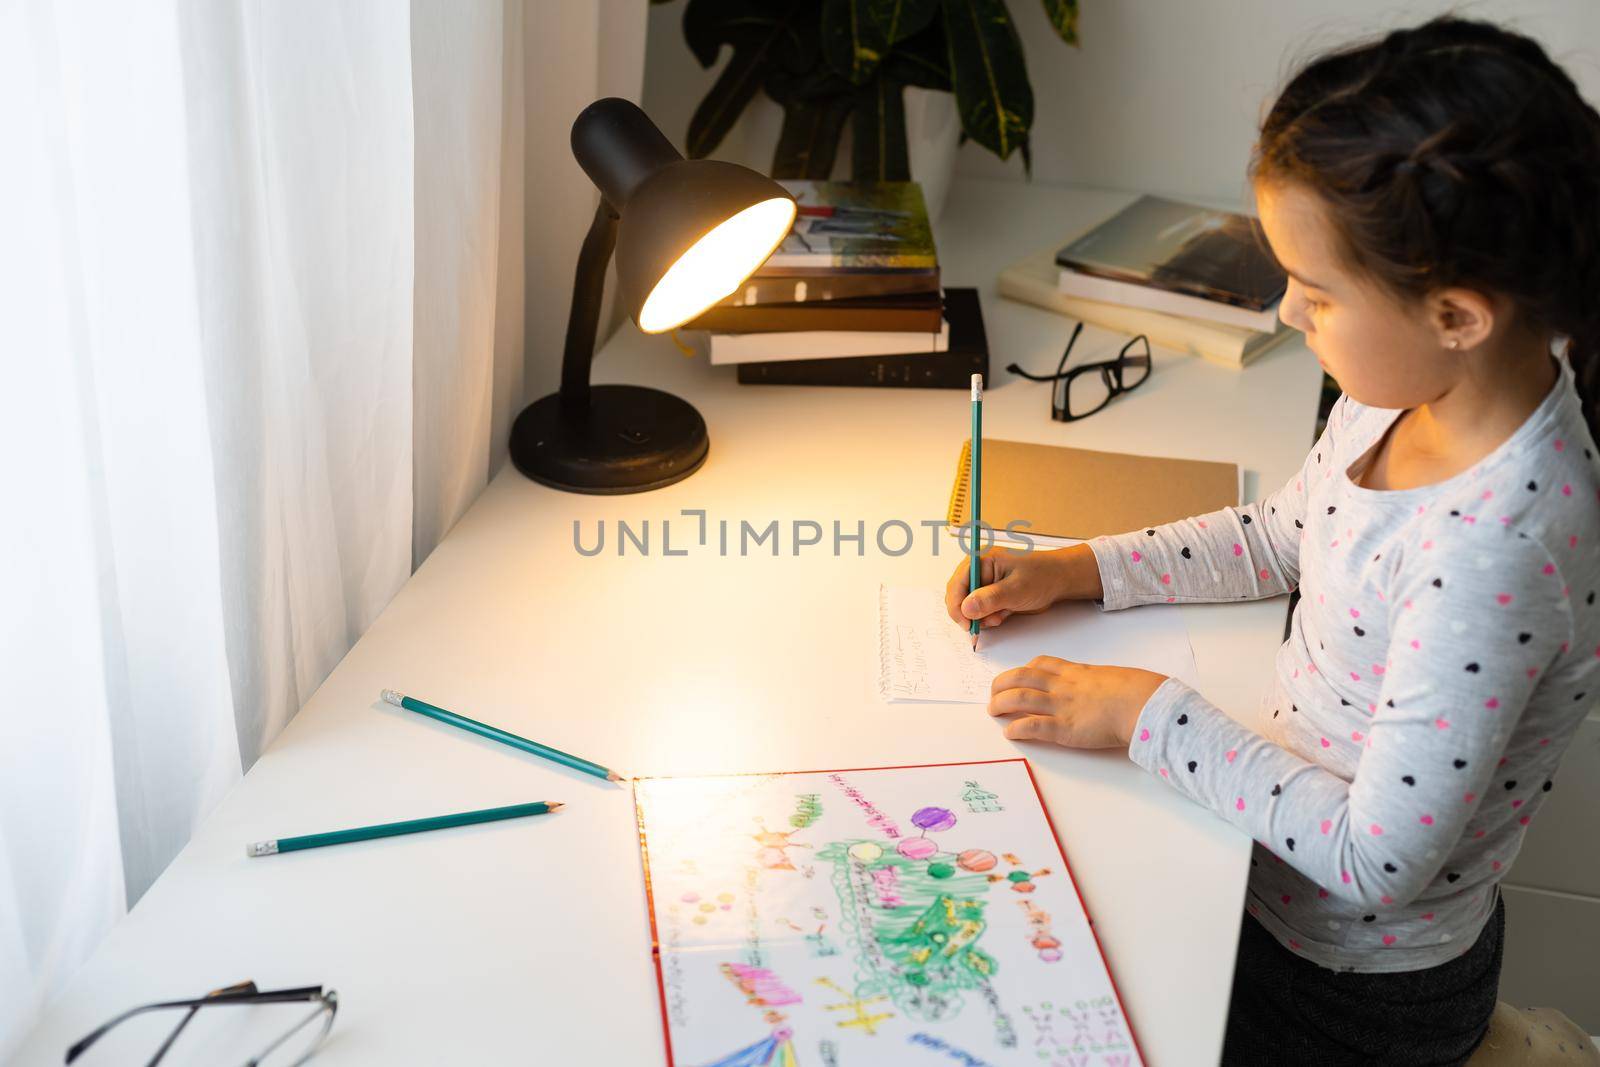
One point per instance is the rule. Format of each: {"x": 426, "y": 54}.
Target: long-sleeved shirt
{"x": 1444, "y": 649}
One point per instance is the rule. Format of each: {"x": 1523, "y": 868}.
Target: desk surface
{"x": 528, "y": 940}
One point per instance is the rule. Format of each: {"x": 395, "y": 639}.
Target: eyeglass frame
{"x": 1110, "y": 372}
{"x": 239, "y": 993}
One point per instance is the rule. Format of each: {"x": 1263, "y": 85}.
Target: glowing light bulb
{"x": 714, "y": 265}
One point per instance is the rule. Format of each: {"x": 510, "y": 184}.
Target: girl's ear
{"x": 1461, "y": 318}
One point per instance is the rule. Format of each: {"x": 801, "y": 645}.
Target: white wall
{"x": 1165, "y": 96}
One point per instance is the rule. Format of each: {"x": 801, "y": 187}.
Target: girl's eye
{"x": 1313, "y": 306}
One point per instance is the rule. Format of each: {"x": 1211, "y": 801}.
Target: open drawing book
{"x": 880, "y": 916}
{"x": 924, "y": 656}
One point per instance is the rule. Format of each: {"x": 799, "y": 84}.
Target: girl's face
{"x": 1381, "y": 353}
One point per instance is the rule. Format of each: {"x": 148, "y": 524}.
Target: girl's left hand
{"x": 1078, "y": 705}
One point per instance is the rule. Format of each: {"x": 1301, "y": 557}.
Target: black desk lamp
{"x": 686, "y": 234}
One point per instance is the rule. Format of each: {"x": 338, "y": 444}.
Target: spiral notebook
{"x": 1080, "y": 493}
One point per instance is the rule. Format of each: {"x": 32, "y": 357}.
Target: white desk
{"x": 527, "y": 941}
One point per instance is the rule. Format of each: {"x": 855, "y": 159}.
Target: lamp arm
{"x": 588, "y": 289}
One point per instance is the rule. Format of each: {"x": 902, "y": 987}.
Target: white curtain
{"x": 275, "y": 277}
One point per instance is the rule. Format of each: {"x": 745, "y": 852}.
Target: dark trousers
{"x": 1288, "y": 1010}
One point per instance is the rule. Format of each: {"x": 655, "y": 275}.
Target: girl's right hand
{"x": 1015, "y": 582}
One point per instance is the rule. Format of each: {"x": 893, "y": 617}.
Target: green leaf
{"x": 722, "y": 106}
{"x": 710, "y": 24}
{"x": 922, "y": 59}
{"x": 762, "y": 34}
{"x": 809, "y": 142}
{"x": 989, "y": 73}
{"x": 1063, "y": 16}
{"x": 857, "y": 35}
{"x": 878, "y": 134}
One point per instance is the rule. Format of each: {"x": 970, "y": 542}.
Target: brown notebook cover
{"x": 1077, "y": 492}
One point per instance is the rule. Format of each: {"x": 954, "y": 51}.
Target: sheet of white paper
{"x": 924, "y": 656}
{"x": 910, "y": 915}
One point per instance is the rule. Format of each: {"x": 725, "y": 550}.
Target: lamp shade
{"x": 689, "y": 231}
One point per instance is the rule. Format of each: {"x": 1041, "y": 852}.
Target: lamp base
{"x": 628, "y": 440}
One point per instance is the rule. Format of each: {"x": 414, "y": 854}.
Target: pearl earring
{"x": 1453, "y": 342}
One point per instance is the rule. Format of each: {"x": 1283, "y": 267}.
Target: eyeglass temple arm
{"x": 228, "y": 996}
{"x": 1015, "y": 369}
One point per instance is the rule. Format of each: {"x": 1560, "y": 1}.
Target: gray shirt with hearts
{"x": 1444, "y": 649}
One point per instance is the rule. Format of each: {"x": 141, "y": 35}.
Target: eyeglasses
{"x": 294, "y": 1046}
{"x": 1078, "y": 393}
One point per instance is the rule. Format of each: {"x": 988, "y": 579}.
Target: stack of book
{"x": 851, "y": 297}
{"x": 1186, "y": 276}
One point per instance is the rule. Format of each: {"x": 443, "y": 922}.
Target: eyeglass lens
{"x": 1090, "y": 391}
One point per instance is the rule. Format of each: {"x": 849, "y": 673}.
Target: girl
{"x": 1435, "y": 200}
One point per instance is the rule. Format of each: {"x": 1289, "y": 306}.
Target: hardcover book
{"x": 967, "y": 354}
{"x": 820, "y": 288}
{"x": 902, "y": 312}
{"x": 1182, "y": 248}
{"x": 855, "y": 226}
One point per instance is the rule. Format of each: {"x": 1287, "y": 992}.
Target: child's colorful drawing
{"x": 898, "y": 912}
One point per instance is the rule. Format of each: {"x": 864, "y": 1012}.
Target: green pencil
{"x": 494, "y": 733}
{"x": 976, "y": 467}
{"x": 390, "y": 829}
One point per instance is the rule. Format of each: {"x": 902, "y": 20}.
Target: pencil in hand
{"x": 975, "y": 451}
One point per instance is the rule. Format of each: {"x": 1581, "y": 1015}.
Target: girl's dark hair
{"x": 1454, "y": 153}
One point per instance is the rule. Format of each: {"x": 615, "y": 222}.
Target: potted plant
{"x": 826, "y": 62}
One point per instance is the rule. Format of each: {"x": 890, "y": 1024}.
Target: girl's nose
{"x": 1292, "y": 308}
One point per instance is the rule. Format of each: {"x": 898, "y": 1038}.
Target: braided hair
{"x": 1454, "y": 153}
